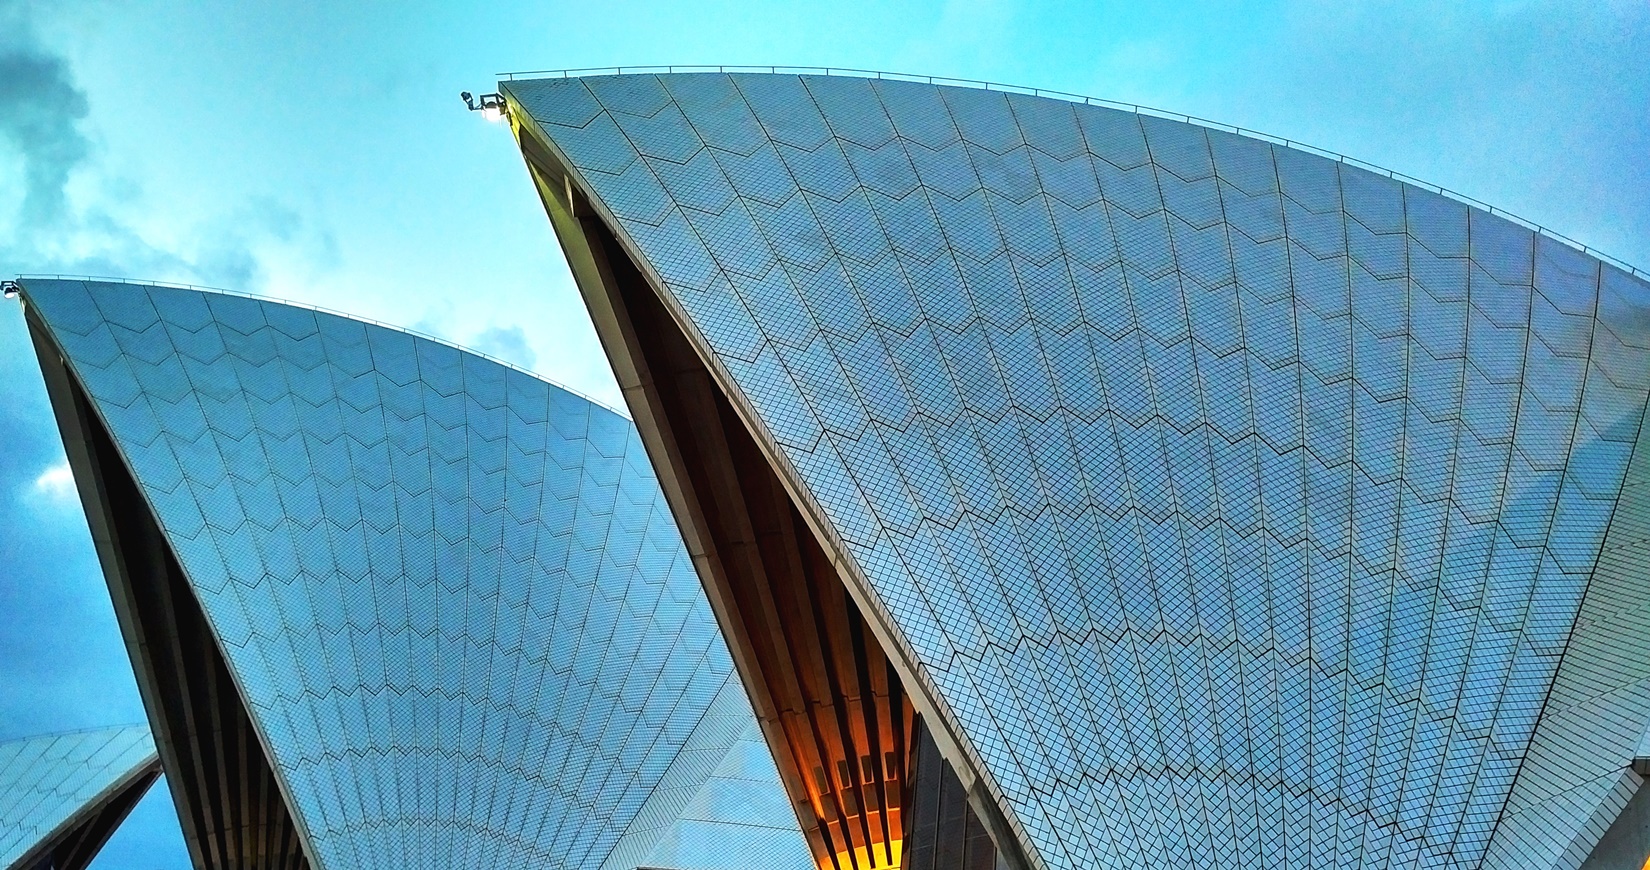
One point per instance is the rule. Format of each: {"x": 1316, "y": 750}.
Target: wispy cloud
{"x": 72, "y": 216}
{"x": 56, "y": 482}
{"x": 508, "y": 344}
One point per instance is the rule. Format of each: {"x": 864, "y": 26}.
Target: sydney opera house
{"x": 1009, "y": 482}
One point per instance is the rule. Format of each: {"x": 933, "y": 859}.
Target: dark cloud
{"x": 40, "y": 114}
{"x": 51, "y": 588}
{"x": 44, "y": 121}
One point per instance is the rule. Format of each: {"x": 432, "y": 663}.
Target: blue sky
{"x": 319, "y": 152}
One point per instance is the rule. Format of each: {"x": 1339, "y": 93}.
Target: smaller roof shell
{"x": 55, "y": 789}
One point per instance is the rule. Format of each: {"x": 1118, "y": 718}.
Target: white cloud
{"x": 56, "y": 482}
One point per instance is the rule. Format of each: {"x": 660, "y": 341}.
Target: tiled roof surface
{"x": 458, "y": 609}
{"x": 1236, "y": 504}
{"x": 46, "y": 781}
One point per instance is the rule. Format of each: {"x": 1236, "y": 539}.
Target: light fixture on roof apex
{"x": 10, "y": 289}
{"x": 491, "y": 106}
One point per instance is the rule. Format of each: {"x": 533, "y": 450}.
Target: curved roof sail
{"x": 391, "y": 604}
{"x": 1208, "y": 499}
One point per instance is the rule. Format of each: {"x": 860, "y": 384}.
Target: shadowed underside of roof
{"x": 1215, "y": 498}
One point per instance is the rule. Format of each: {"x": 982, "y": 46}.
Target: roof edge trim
{"x": 23, "y": 278}
{"x": 1136, "y": 108}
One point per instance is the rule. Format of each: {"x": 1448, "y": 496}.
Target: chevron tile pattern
{"x": 47, "y": 781}
{"x": 457, "y": 608}
{"x": 1236, "y": 504}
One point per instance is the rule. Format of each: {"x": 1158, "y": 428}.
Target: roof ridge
{"x": 242, "y": 294}
{"x": 1136, "y": 108}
